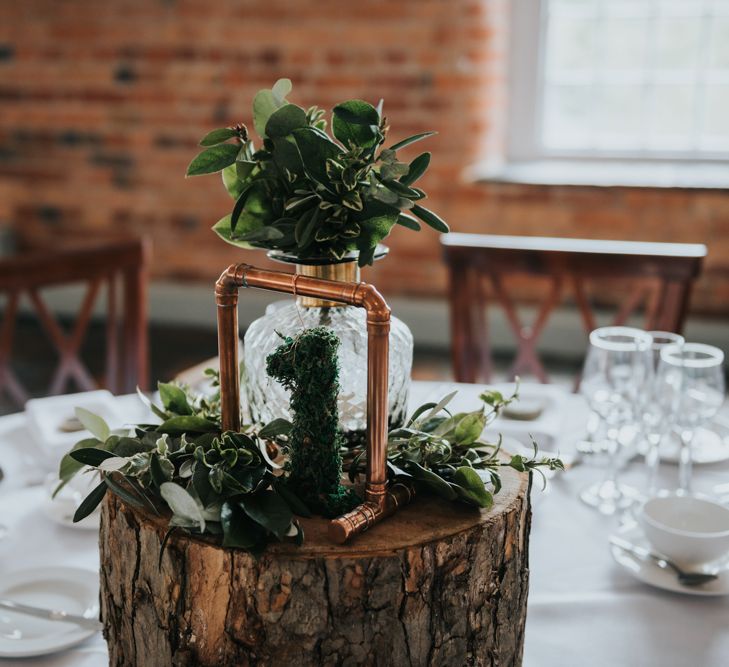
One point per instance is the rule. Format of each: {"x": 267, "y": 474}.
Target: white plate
{"x": 649, "y": 573}
{"x": 72, "y": 589}
{"x": 708, "y": 447}
{"x": 45, "y": 416}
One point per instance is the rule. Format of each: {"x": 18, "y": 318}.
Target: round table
{"x": 583, "y": 608}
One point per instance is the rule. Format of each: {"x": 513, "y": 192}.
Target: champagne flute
{"x": 692, "y": 377}
{"x": 654, "y": 409}
{"x": 617, "y": 367}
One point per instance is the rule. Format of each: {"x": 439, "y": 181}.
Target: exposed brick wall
{"x": 102, "y": 103}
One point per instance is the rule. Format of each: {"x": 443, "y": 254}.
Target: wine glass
{"x": 692, "y": 378}
{"x": 617, "y": 368}
{"x": 654, "y": 410}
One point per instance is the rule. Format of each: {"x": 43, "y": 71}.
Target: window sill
{"x": 609, "y": 173}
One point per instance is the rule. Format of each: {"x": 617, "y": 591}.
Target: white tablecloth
{"x": 583, "y": 609}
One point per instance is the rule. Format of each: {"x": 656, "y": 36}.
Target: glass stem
{"x": 613, "y": 449}
{"x": 652, "y": 462}
{"x": 685, "y": 462}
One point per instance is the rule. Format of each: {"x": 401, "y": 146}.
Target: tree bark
{"x": 436, "y": 584}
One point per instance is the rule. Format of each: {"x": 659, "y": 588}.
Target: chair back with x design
{"x": 118, "y": 265}
{"x": 482, "y": 268}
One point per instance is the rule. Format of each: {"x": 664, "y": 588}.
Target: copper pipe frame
{"x": 380, "y": 501}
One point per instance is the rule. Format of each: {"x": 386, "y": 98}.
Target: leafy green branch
{"x": 443, "y": 453}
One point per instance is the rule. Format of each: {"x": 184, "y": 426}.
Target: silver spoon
{"x": 684, "y": 578}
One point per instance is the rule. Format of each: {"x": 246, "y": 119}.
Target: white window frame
{"x": 526, "y": 96}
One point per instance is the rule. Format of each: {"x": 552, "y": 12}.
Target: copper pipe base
{"x": 369, "y": 513}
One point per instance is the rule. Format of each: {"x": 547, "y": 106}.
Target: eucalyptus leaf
{"x": 93, "y": 424}
{"x": 182, "y": 503}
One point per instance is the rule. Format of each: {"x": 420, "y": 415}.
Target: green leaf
{"x": 281, "y": 89}
{"x": 262, "y": 234}
{"x": 239, "y": 531}
{"x": 222, "y": 229}
{"x": 182, "y": 503}
{"x": 469, "y": 428}
{"x": 411, "y": 140}
{"x": 316, "y": 148}
{"x": 279, "y": 426}
{"x": 285, "y": 120}
{"x": 306, "y": 226}
{"x": 218, "y": 136}
{"x": 231, "y": 181}
{"x": 130, "y": 447}
{"x": 297, "y": 505}
{"x": 120, "y": 491}
{"x": 90, "y": 456}
{"x": 416, "y": 169}
{"x": 90, "y": 503}
{"x": 93, "y": 424}
{"x": 266, "y": 102}
{"x": 356, "y": 123}
{"x": 244, "y": 168}
{"x": 70, "y": 466}
{"x": 201, "y": 483}
{"x": 376, "y": 219}
{"x": 174, "y": 398}
{"x": 471, "y": 487}
{"x": 187, "y": 424}
{"x": 408, "y": 221}
{"x": 401, "y": 189}
{"x": 213, "y": 159}
{"x": 432, "y": 481}
{"x": 430, "y": 218}
{"x": 160, "y": 469}
{"x": 270, "y": 510}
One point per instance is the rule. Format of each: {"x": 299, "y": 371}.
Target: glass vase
{"x": 266, "y": 399}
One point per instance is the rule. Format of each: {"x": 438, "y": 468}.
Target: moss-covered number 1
{"x": 307, "y": 366}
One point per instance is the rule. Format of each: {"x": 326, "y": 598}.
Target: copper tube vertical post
{"x": 379, "y": 502}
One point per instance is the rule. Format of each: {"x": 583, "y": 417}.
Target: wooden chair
{"x": 481, "y": 266}
{"x": 110, "y": 263}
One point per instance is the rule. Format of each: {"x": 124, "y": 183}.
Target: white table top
{"x": 583, "y": 608}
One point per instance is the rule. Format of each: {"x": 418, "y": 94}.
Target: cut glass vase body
{"x": 266, "y": 399}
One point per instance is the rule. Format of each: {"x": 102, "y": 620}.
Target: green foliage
{"x": 308, "y": 193}
{"x": 442, "y": 453}
{"x": 307, "y": 366}
{"x": 248, "y": 487}
{"x": 214, "y": 482}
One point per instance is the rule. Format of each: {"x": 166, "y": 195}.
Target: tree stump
{"x": 435, "y": 584}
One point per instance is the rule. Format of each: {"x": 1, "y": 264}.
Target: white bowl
{"x": 688, "y": 530}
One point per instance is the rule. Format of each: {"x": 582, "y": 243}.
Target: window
{"x": 620, "y": 78}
